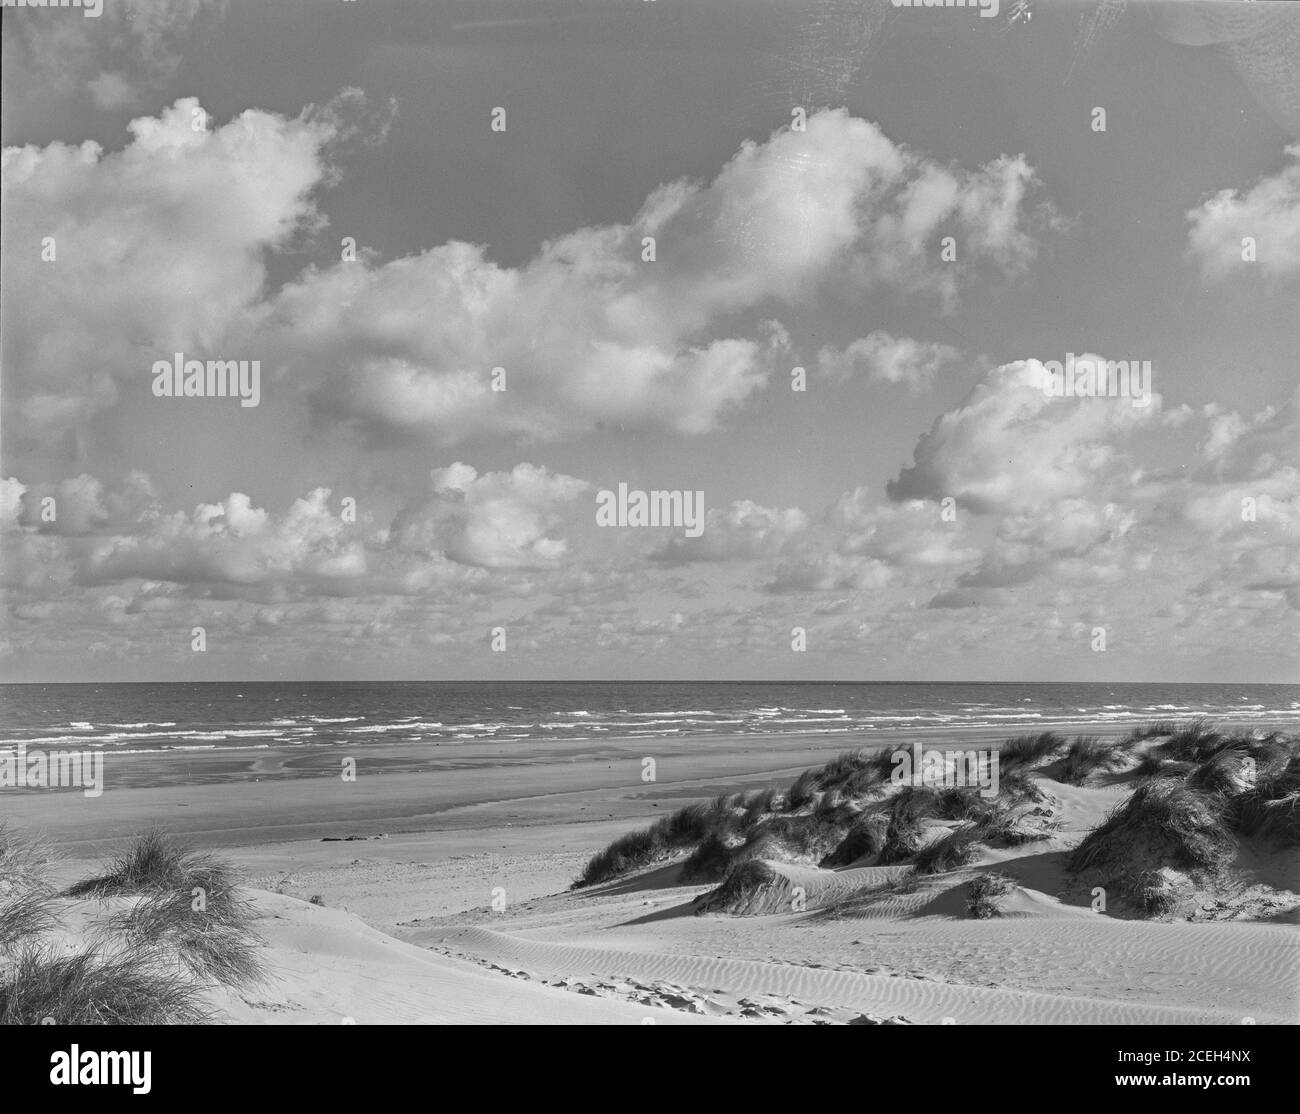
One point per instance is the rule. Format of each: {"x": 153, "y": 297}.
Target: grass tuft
{"x": 1164, "y": 823}
{"x": 1194, "y": 742}
{"x": 156, "y": 863}
{"x": 1146, "y": 731}
{"x": 865, "y": 837}
{"x": 1028, "y": 750}
{"x": 956, "y": 849}
{"x": 1270, "y": 809}
{"x": 133, "y": 986}
{"x": 217, "y": 944}
{"x": 688, "y": 827}
{"x": 982, "y": 893}
{"x": 26, "y": 895}
{"x": 802, "y": 789}
{"x": 1086, "y": 754}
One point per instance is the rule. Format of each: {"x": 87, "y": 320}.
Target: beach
{"x": 434, "y": 887}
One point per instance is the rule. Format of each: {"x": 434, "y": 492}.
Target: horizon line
{"x": 619, "y": 681}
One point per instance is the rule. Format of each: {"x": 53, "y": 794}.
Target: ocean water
{"x": 136, "y": 718}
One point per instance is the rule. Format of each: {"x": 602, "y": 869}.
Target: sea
{"x": 146, "y": 717}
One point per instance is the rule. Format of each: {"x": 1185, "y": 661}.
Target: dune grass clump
{"x": 829, "y": 803}
{"x": 802, "y": 789}
{"x": 782, "y": 838}
{"x": 155, "y": 863}
{"x": 1018, "y": 785}
{"x": 1259, "y": 781}
{"x": 744, "y": 887}
{"x": 803, "y": 837}
{"x": 141, "y": 962}
{"x": 189, "y": 907}
{"x": 709, "y": 861}
{"x": 916, "y": 802}
{"x": 719, "y": 852}
{"x": 217, "y": 942}
{"x": 694, "y": 821}
{"x": 840, "y": 768}
{"x": 688, "y": 827}
{"x": 856, "y": 772}
{"x": 1086, "y": 754}
{"x": 1146, "y": 731}
{"x": 902, "y": 840}
{"x": 1226, "y": 773}
{"x": 983, "y": 892}
{"x": 1158, "y": 893}
{"x": 1152, "y": 764}
{"x": 903, "y": 835}
{"x": 760, "y": 803}
{"x": 1271, "y": 820}
{"x": 963, "y": 804}
{"x": 134, "y": 986}
{"x": 865, "y": 838}
{"x": 1028, "y": 750}
{"x": 1194, "y": 742}
{"x": 956, "y": 849}
{"x": 988, "y": 822}
{"x": 26, "y": 894}
{"x": 24, "y": 916}
{"x": 628, "y": 852}
{"x": 1270, "y": 809}
{"x": 24, "y": 860}
{"x": 1163, "y": 824}
{"x": 1005, "y": 825}
{"x": 1204, "y": 793}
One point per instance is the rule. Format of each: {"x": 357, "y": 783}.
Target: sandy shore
{"x": 443, "y": 879}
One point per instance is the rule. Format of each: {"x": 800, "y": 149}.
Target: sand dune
{"x": 1086, "y": 970}
{"x": 329, "y": 967}
{"x": 411, "y": 929}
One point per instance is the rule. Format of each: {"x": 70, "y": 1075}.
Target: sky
{"x": 812, "y": 260}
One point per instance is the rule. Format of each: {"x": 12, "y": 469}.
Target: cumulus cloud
{"x": 1059, "y": 492}
{"x": 1101, "y": 533}
{"x": 888, "y": 359}
{"x": 827, "y": 572}
{"x": 1011, "y": 447}
{"x": 589, "y": 333}
{"x": 114, "y": 260}
{"x": 82, "y": 505}
{"x": 1247, "y": 482}
{"x": 1268, "y": 212}
{"x": 232, "y": 542}
{"x": 500, "y": 520}
{"x": 104, "y": 534}
{"x": 11, "y": 502}
{"x": 913, "y": 535}
{"x": 740, "y": 531}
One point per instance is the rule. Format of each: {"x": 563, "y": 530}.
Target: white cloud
{"x": 888, "y": 359}
{"x": 1268, "y": 213}
{"x": 501, "y": 520}
{"x": 231, "y": 542}
{"x": 1010, "y": 447}
{"x": 158, "y": 248}
{"x": 741, "y": 531}
{"x": 589, "y": 334}
{"x": 161, "y": 247}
